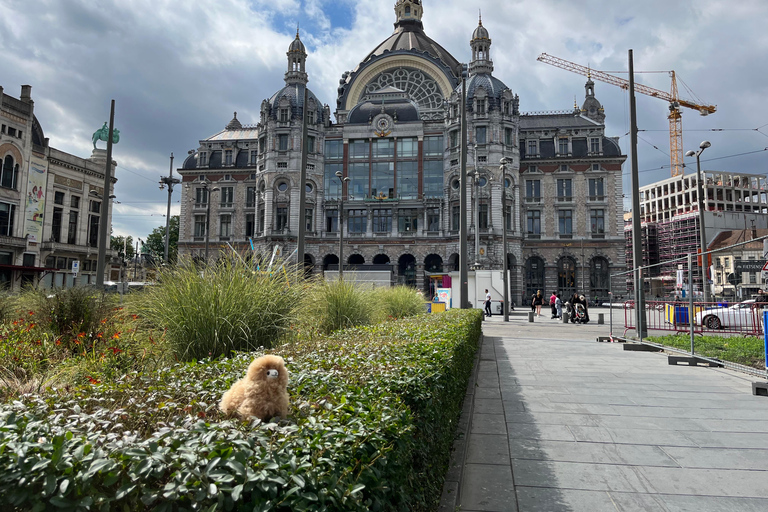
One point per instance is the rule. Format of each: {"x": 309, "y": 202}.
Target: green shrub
{"x": 333, "y": 305}
{"x": 746, "y": 350}
{"x": 70, "y": 311}
{"x": 224, "y": 308}
{"x": 373, "y": 415}
{"x": 399, "y": 302}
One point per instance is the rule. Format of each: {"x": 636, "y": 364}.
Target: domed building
{"x": 396, "y": 144}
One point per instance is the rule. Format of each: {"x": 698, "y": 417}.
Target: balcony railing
{"x": 13, "y": 241}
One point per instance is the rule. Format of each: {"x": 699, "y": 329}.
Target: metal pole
{"x": 207, "y": 220}
{"x": 170, "y": 181}
{"x": 637, "y": 242}
{"x": 302, "y": 187}
{"x": 341, "y": 233}
{"x": 135, "y": 260}
{"x": 704, "y": 256}
{"x": 505, "y": 299}
{"x": 104, "y": 218}
{"x": 690, "y": 298}
{"x": 463, "y": 272}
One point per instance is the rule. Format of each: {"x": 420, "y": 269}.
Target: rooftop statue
{"x": 103, "y": 134}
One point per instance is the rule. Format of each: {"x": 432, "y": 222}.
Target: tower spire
{"x": 481, "y": 45}
{"x": 297, "y": 61}
{"x": 408, "y": 12}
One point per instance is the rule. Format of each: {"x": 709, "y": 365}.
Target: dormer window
{"x": 311, "y": 117}
{"x": 203, "y": 159}
{"x": 407, "y": 10}
{"x": 284, "y": 115}
{"x": 228, "y": 157}
{"x": 480, "y": 107}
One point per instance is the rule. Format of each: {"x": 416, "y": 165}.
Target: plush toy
{"x": 262, "y": 393}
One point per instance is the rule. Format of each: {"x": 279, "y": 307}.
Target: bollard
{"x": 565, "y": 317}
{"x": 530, "y": 316}
{"x": 600, "y": 318}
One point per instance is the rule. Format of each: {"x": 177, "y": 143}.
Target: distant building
{"x": 670, "y": 221}
{"x": 738, "y": 263}
{"x": 49, "y": 203}
{"x": 396, "y": 137}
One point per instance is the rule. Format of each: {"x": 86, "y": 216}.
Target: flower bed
{"x": 373, "y": 415}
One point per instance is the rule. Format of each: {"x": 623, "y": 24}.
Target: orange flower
{"x": 99, "y": 335}
{"x": 81, "y": 335}
{"x": 134, "y": 316}
{"x": 92, "y": 380}
{"x": 31, "y": 313}
{"x": 104, "y": 320}
{"x": 115, "y": 350}
{"x": 116, "y": 336}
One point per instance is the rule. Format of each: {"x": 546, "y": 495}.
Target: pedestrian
{"x": 586, "y": 310}
{"x": 538, "y": 300}
{"x": 552, "y": 300}
{"x": 487, "y": 302}
{"x": 558, "y": 307}
{"x": 533, "y": 306}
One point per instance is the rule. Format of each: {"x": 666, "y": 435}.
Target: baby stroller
{"x": 579, "y": 314}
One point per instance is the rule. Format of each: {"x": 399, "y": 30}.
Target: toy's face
{"x": 272, "y": 374}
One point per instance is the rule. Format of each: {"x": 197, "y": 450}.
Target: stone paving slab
{"x": 556, "y": 422}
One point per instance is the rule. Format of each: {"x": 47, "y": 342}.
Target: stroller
{"x": 576, "y": 313}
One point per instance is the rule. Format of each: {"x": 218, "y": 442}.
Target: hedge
{"x": 373, "y": 416}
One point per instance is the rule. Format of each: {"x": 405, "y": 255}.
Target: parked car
{"x": 742, "y": 316}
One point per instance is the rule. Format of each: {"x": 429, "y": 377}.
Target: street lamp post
{"x": 342, "y": 180}
{"x": 700, "y": 193}
{"x": 170, "y": 181}
{"x": 505, "y": 304}
{"x": 208, "y": 216}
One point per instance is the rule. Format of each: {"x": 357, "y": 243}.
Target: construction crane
{"x": 675, "y": 115}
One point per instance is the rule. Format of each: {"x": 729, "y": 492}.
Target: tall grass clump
{"x": 334, "y": 305}
{"x": 6, "y": 306}
{"x": 70, "y": 311}
{"x": 227, "y": 307}
{"x": 398, "y": 302}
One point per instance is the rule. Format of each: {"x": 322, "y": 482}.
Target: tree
{"x": 156, "y": 241}
{"x": 123, "y": 245}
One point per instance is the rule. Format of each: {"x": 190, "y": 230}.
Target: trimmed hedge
{"x": 373, "y": 416}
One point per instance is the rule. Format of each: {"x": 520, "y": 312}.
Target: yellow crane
{"x": 675, "y": 115}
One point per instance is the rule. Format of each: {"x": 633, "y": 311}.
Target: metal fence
{"x": 744, "y": 318}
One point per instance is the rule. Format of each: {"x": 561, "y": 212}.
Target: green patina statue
{"x": 103, "y": 134}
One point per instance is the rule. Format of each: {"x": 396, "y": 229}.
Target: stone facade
{"x": 396, "y": 143}
{"x": 49, "y": 203}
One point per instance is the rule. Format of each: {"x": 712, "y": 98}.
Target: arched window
{"x": 566, "y": 276}
{"x": 406, "y": 270}
{"x": 599, "y": 278}
{"x": 9, "y": 173}
{"x": 534, "y": 278}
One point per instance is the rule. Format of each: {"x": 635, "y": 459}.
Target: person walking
{"x": 552, "y": 300}
{"x": 558, "y": 307}
{"x": 538, "y": 300}
{"x": 487, "y": 302}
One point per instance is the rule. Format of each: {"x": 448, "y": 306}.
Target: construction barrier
{"x": 712, "y": 317}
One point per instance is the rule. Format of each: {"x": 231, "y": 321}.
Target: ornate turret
{"x": 591, "y": 107}
{"x": 297, "y": 60}
{"x": 408, "y": 12}
{"x": 234, "y": 124}
{"x": 481, "y": 45}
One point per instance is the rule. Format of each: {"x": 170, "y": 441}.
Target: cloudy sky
{"x": 178, "y": 69}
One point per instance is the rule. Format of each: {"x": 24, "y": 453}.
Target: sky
{"x": 178, "y": 69}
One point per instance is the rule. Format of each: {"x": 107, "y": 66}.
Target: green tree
{"x": 123, "y": 245}
{"x": 155, "y": 242}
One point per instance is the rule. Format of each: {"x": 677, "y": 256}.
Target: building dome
{"x": 493, "y": 87}
{"x": 293, "y": 95}
{"x": 410, "y": 37}
{"x": 191, "y": 161}
{"x": 297, "y": 45}
{"x": 480, "y": 32}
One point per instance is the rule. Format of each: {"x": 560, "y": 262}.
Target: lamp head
{"x": 690, "y": 153}
{"x": 705, "y": 144}
{"x": 505, "y": 161}
{"x": 339, "y": 174}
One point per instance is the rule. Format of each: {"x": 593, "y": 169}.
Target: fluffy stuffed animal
{"x": 262, "y": 393}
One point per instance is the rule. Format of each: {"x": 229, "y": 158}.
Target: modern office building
{"x": 395, "y": 140}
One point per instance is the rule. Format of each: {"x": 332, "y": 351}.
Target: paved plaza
{"x": 554, "y": 421}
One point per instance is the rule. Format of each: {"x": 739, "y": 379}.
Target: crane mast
{"x": 674, "y": 117}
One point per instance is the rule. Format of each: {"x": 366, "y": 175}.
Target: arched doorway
{"x": 534, "y": 278}
{"x": 433, "y": 267}
{"x": 566, "y": 276}
{"x": 453, "y": 262}
{"x": 381, "y": 259}
{"x": 599, "y": 278}
{"x": 406, "y": 270}
{"x": 433, "y": 264}
{"x": 356, "y": 259}
{"x": 330, "y": 260}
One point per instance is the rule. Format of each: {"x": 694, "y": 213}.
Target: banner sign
{"x": 35, "y": 200}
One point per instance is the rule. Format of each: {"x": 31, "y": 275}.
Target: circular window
{"x": 309, "y": 188}
{"x": 282, "y": 186}
{"x": 455, "y": 184}
{"x": 482, "y": 182}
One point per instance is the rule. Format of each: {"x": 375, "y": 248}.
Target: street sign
{"x": 75, "y": 267}
{"x": 765, "y": 266}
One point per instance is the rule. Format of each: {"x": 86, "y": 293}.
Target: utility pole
{"x": 505, "y": 298}
{"x": 170, "y": 181}
{"x": 463, "y": 271}
{"x": 303, "y": 187}
{"x": 637, "y": 242}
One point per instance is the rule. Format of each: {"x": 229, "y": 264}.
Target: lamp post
{"x": 503, "y": 167}
{"x": 170, "y": 181}
{"x": 100, "y": 240}
{"x": 700, "y": 193}
{"x": 208, "y": 190}
{"x": 342, "y": 180}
